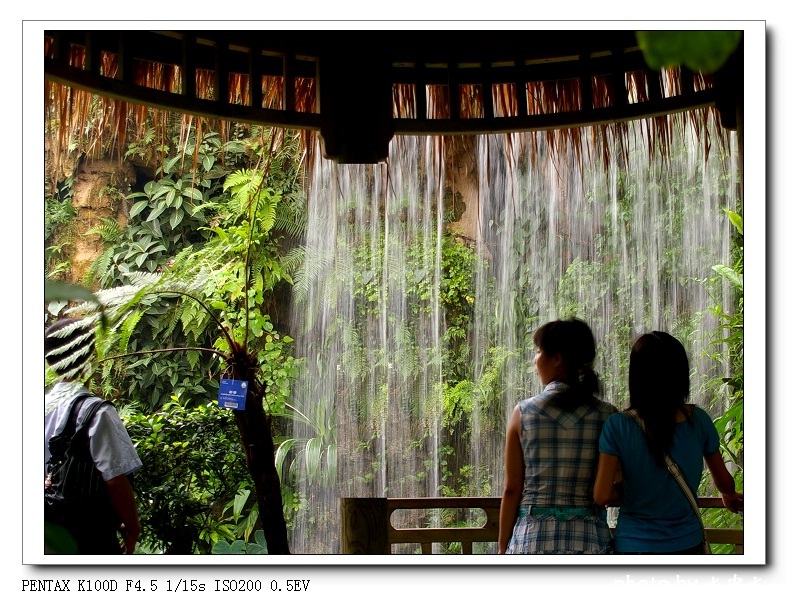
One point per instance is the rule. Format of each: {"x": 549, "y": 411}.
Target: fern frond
{"x": 193, "y": 358}
{"x": 307, "y": 275}
{"x": 109, "y": 230}
{"x": 242, "y": 185}
{"x": 127, "y": 329}
{"x": 293, "y": 260}
{"x": 291, "y": 217}
{"x": 99, "y": 268}
{"x": 267, "y": 214}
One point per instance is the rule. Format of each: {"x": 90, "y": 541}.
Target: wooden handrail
{"x": 367, "y": 526}
{"x": 426, "y": 537}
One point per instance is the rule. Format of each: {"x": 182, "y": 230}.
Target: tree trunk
{"x": 258, "y": 443}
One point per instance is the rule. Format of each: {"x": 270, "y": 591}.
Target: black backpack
{"x": 75, "y": 493}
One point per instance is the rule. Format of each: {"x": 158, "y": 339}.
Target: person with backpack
{"x": 89, "y": 501}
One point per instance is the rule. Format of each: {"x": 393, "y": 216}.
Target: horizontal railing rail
{"x": 367, "y": 526}
{"x": 426, "y": 537}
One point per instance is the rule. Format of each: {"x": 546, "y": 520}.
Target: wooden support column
{"x": 364, "y": 526}
{"x": 354, "y": 101}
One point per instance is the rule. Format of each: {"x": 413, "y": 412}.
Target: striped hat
{"x": 68, "y": 346}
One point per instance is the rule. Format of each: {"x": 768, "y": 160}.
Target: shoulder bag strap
{"x": 674, "y": 470}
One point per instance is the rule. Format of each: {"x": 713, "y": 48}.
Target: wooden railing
{"x": 367, "y": 526}
{"x": 716, "y": 535}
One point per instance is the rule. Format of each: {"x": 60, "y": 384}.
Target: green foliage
{"x": 457, "y": 299}
{"x": 291, "y": 216}
{"x": 193, "y": 463}
{"x": 63, "y": 291}
{"x": 457, "y": 404}
{"x": 111, "y": 233}
{"x": 58, "y": 209}
{"x": 314, "y": 455}
{"x": 207, "y": 233}
{"x": 242, "y": 547}
{"x": 477, "y": 398}
{"x": 701, "y": 51}
{"x": 731, "y": 423}
{"x": 721, "y": 517}
{"x": 167, "y": 215}
{"x": 142, "y": 147}
{"x": 249, "y": 197}
{"x": 458, "y": 269}
{"x": 58, "y": 215}
{"x": 199, "y": 257}
{"x": 588, "y": 278}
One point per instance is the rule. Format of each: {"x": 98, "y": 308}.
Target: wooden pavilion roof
{"x": 358, "y": 88}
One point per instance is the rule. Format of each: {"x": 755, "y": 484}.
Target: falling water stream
{"x": 626, "y": 247}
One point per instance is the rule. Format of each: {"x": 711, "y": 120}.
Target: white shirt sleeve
{"x": 111, "y": 446}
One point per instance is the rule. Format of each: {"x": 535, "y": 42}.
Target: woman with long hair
{"x": 655, "y": 516}
{"x": 551, "y": 451}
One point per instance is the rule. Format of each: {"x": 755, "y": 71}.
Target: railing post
{"x": 365, "y": 526}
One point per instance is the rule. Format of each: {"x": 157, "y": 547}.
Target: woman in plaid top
{"x": 551, "y": 452}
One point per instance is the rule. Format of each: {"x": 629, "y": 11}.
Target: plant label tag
{"x": 232, "y": 394}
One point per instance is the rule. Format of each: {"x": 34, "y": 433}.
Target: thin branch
{"x": 167, "y": 350}
{"x": 230, "y": 341}
{"x": 247, "y": 262}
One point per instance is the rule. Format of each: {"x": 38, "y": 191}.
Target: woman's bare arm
{"x": 514, "y": 476}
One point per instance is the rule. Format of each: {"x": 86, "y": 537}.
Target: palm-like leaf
{"x": 316, "y": 452}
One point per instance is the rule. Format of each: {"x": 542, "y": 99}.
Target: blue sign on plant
{"x": 232, "y": 394}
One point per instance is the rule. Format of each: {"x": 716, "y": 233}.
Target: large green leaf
{"x": 736, "y": 220}
{"x": 58, "y": 291}
{"x": 137, "y": 208}
{"x": 157, "y": 212}
{"x": 732, "y": 276}
{"x": 176, "y": 218}
{"x": 281, "y": 454}
{"x": 239, "y": 502}
{"x": 701, "y": 51}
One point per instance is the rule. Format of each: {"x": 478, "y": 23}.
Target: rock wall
{"x": 98, "y": 193}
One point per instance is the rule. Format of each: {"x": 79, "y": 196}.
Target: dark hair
{"x": 68, "y": 346}
{"x": 574, "y": 341}
{"x": 659, "y": 385}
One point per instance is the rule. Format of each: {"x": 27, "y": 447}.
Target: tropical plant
{"x": 191, "y": 468}
{"x": 172, "y": 218}
{"x": 228, "y": 299}
{"x": 58, "y": 209}
{"x": 242, "y": 547}
{"x": 315, "y": 454}
{"x": 731, "y": 423}
{"x": 703, "y": 51}
{"x": 728, "y": 391}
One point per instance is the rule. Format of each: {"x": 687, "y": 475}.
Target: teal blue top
{"x": 655, "y": 515}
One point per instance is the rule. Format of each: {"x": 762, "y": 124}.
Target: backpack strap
{"x": 93, "y": 407}
{"x": 71, "y": 427}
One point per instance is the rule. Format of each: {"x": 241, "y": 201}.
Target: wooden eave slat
{"x": 121, "y": 89}
{"x": 572, "y": 119}
{"x": 565, "y": 70}
{"x": 124, "y": 91}
{"x": 159, "y": 48}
